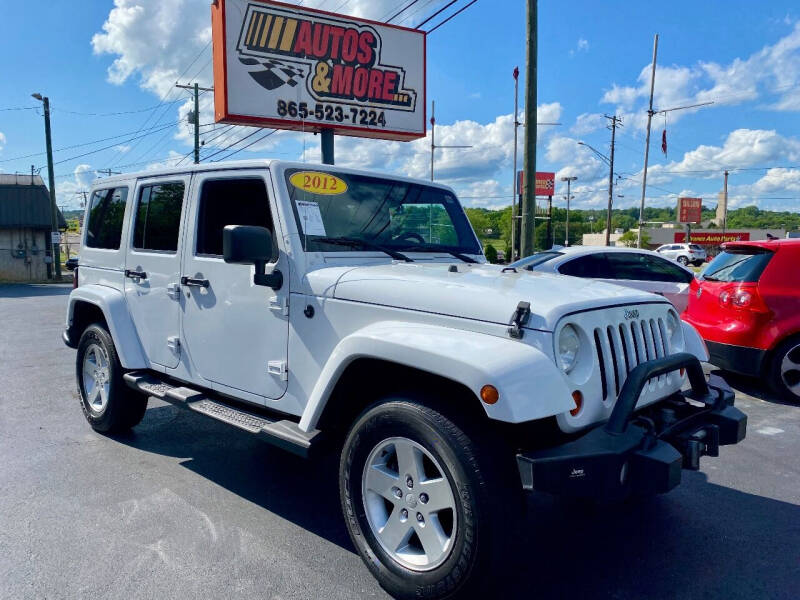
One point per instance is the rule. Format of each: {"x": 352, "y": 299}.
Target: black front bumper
{"x": 642, "y": 452}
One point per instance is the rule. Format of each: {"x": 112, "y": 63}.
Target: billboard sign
{"x": 690, "y": 210}
{"x": 713, "y": 238}
{"x": 291, "y": 67}
{"x": 545, "y": 183}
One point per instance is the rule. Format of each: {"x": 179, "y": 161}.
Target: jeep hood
{"x": 480, "y": 291}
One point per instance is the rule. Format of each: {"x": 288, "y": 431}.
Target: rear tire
{"x": 108, "y": 404}
{"x": 413, "y": 549}
{"x": 784, "y": 370}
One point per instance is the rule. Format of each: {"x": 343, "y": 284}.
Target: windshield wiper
{"x": 356, "y": 242}
{"x": 458, "y": 255}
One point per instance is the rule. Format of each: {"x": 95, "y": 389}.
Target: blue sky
{"x": 106, "y": 57}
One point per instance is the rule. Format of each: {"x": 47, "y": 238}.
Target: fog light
{"x": 578, "y": 398}
{"x": 489, "y": 394}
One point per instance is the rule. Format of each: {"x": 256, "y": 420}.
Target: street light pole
{"x": 647, "y": 143}
{"x": 569, "y": 181}
{"x": 52, "y": 183}
{"x": 514, "y": 177}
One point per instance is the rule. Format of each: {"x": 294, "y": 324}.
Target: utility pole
{"x": 514, "y": 170}
{"x": 646, "y": 144}
{"x": 614, "y": 120}
{"x": 529, "y": 197}
{"x": 433, "y": 137}
{"x": 196, "y": 115}
{"x": 52, "y": 182}
{"x": 569, "y": 180}
{"x": 433, "y": 133}
{"x": 725, "y": 209}
{"x": 108, "y": 172}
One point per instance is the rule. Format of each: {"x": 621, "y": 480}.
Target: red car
{"x": 746, "y": 305}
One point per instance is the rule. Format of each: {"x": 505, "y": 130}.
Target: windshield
{"x": 395, "y": 215}
{"x": 743, "y": 266}
{"x": 535, "y": 259}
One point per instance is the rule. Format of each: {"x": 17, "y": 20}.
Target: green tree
{"x": 491, "y": 253}
{"x": 629, "y": 239}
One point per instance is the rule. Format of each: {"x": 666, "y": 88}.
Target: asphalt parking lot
{"x": 185, "y": 507}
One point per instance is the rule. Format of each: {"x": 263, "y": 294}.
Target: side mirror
{"x": 250, "y": 245}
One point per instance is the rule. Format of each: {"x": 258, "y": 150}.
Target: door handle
{"x": 135, "y": 274}
{"x": 195, "y": 282}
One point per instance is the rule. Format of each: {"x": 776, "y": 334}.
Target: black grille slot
{"x": 625, "y": 348}
{"x": 602, "y": 363}
{"x": 613, "y": 359}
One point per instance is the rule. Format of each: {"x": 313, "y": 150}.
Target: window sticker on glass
{"x": 310, "y": 218}
{"x": 318, "y": 183}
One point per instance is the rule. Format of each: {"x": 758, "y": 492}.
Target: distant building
{"x": 710, "y": 239}
{"x": 25, "y": 218}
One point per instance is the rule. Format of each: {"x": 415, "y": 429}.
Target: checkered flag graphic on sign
{"x": 274, "y": 73}
{"x": 548, "y": 184}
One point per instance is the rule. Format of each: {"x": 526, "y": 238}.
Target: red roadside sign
{"x": 690, "y": 210}
{"x": 545, "y": 183}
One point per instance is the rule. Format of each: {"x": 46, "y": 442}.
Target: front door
{"x": 236, "y": 332}
{"x": 152, "y": 267}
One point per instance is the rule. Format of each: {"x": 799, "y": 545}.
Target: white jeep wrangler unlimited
{"x": 332, "y": 310}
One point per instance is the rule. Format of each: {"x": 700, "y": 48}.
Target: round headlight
{"x": 568, "y": 345}
{"x": 672, "y": 324}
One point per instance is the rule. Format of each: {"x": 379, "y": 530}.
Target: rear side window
{"x": 537, "y": 259}
{"x": 158, "y": 217}
{"x": 106, "y": 211}
{"x": 229, "y": 202}
{"x": 592, "y": 265}
{"x": 695, "y": 247}
{"x": 643, "y": 267}
{"x": 742, "y": 265}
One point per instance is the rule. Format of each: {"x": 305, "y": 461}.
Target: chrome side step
{"x": 282, "y": 433}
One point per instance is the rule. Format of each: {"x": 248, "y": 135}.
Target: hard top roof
{"x": 261, "y": 163}
{"x": 766, "y": 244}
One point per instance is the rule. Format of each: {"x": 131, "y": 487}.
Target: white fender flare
{"x": 693, "y": 343}
{"x": 115, "y": 310}
{"x": 529, "y": 384}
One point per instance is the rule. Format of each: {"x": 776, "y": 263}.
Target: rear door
{"x": 236, "y": 332}
{"x": 153, "y": 265}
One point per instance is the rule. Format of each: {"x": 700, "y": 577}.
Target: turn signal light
{"x": 489, "y": 394}
{"x": 578, "y": 397}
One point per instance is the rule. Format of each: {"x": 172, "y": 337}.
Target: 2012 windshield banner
{"x": 284, "y": 66}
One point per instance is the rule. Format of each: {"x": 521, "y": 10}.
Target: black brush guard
{"x": 641, "y": 452}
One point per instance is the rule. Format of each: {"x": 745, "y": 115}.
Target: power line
{"x": 76, "y": 145}
{"x": 454, "y": 15}
{"x": 111, "y": 146}
{"x": 249, "y": 135}
{"x": 441, "y": 10}
{"x": 266, "y": 135}
{"x": 108, "y": 114}
{"x": 401, "y": 11}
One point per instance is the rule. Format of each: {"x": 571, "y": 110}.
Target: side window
{"x": 106, "y": 211}
{"x": 592, "y": 265}
{"x": 229, "y": 202}
{"x": 664, "y": 270}
{"x": 158, "y": 217}
{"x": 627, "y": 265}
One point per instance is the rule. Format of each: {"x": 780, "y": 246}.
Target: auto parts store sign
{"x": 290, "y": 67}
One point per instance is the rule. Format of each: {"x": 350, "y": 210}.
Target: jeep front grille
{"x": 621, "y": 347}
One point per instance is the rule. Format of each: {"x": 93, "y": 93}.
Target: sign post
{"x": 690, "y": 210}
{"x": 290, "y": 67}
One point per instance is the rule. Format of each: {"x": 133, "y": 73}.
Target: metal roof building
{"x": 25, "y": 217}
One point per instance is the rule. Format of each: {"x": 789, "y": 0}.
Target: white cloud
{"x": 123, "y": 148}
{"x": 2, "y": 141}
{"x": 587, "y": 123}
{"x": 770, "y": 74}
{"x": 742, "y": 148}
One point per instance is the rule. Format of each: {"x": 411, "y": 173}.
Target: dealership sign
{"x": 545, "y": 183}
{"x": 291, "y": 67}
{"x": 713, "y": 239}
{"x": 690, "y": 210}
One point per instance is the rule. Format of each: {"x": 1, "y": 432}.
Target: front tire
{"x": 785, "y": 370}
{"x": 428, "y": 506}
{"x": 108, "y": 404}
{"x": 683, "y": 260}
